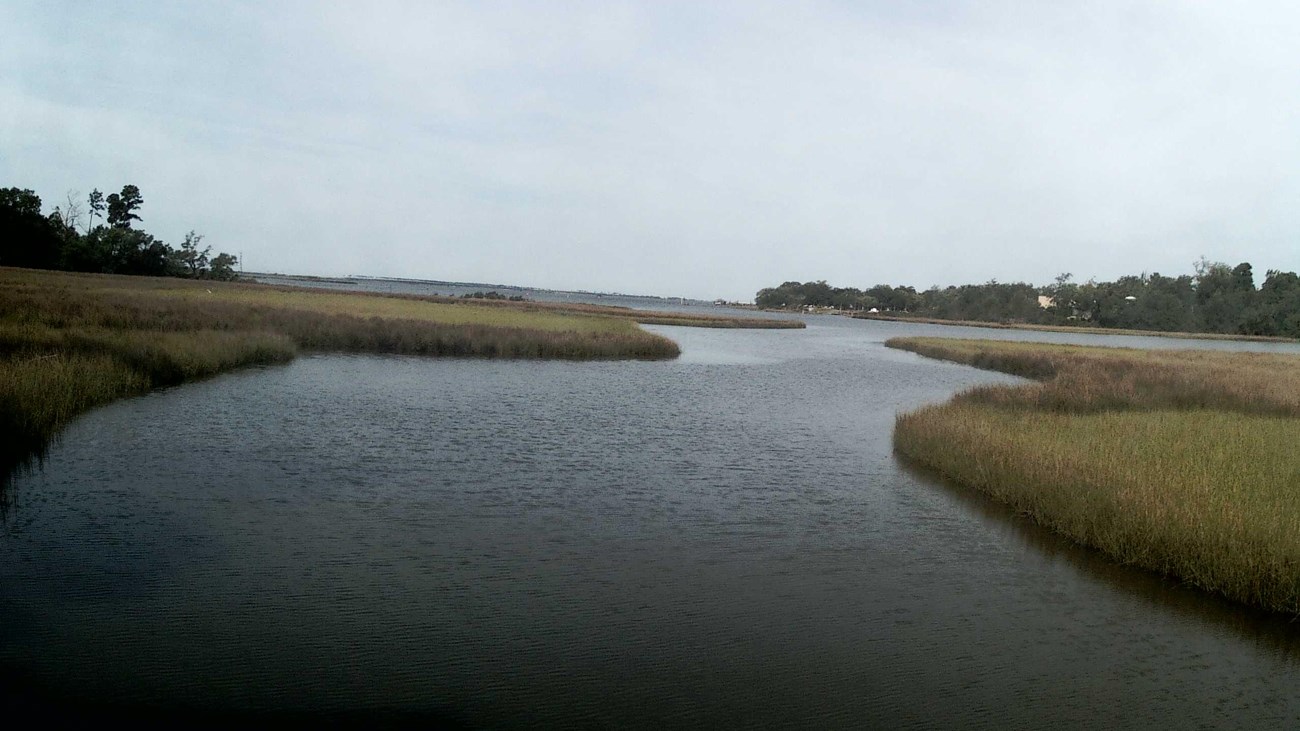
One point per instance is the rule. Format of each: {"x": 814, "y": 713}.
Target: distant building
{"x": 1044, "y": 301}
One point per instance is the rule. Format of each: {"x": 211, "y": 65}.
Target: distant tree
{"x": 95, "y": 206}
{"x": 223, "y": 267}
{"x": 817, "y": 294}
{"x": 122, "y": 207}
{"x": 1225, "y": 296}
{"x": 849, "y": 298}
{"x": 896, "y": 299}
{"x": 1277, "y": 309}
{"x": 1167, "y": 303}
{"x": 120, "y": 250}
{"x": 63, "y": 224}
{"x": 189, "y": 261}
{"x": 1243, "y": 279}
{"x": 68, "y": 214}
{"x": 85, "y": 253}
{"x": 1065, "y": 305}
{"x": 20, "y": 201}
{"x": 787, "y": 296}
{"x": 1218, "y": 298}
{"x": 27, "y": 239}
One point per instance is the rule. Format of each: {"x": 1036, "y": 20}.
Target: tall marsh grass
{"x": 69, "y": 342}
{"x": 1179, "y": 462}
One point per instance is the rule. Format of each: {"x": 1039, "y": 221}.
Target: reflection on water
{"x": 725, "y": 539}
{"x": 1270, "y": 633}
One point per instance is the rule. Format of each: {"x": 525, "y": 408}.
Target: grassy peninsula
{"x": 1181, "y": 462}
{"x": 644, "y": 317}
{"x": 69, "y": 342}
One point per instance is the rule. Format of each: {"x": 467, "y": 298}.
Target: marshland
{"x": 369, "y": 438}
{"x": 69, "y": 342}
{"x": 724, "y": 537}
{"x": 1179, "y": 462}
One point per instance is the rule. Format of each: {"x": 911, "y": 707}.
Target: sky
{"x": 689, "y": 149}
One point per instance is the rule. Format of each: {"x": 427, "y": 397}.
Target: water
{"x": 721, "y": 540}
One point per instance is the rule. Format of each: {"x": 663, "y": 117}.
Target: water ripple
{"x": 720, "y": 541}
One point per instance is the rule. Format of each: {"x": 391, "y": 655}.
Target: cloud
{"x": 696, "y": 149}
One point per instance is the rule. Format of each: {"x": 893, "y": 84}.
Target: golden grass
{"x": 1088, "y": 379}
{"x": 1175, "y": 461}
{"x": 644, "y": 317}
{"x": 454, "y": 312}
{"x": 69, "y": 342}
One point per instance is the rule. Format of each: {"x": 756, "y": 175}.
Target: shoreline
{"x": 643, "y": 317}
{"x": 70, "y": 342}
{"x": 1079, "y": 329}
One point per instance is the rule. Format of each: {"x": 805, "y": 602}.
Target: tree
{"x": 1277, "y": 310}
{"x": 67, "y": 217}
{"x": 789, "y": 296}
{"x": 1243, "y": 278}
{"x": 122, "y": 207}
{"x": 1065, "y": 298}
{"x": 20, "y": 201}
{"x": 120, "y": 250}
{"x": 188, "y": 260}
{"x": 223, "y": 267}
{"x": 27, "y": 239}
{"x": 1224, "y": 296}
{"x": 95, "y": 203}
{"x": 63, "y": 224}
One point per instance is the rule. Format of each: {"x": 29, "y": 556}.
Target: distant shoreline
{"x": 362, "y": 279}
{"x": 1075, "y": 329}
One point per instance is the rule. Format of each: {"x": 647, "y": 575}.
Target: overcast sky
{"x": 694, "y": 149}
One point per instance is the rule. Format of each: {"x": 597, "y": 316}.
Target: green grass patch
{"x": 1181, "y": 462}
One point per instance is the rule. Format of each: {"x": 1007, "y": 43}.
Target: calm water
{"x": 721, "y": 540}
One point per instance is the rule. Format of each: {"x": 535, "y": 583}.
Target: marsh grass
{"x": 509, "y": 309}
{"x": 1080, "y": 329}
{"x": 1179, "y": 462}
{"x": 644, "y": 317}
{"x": 69, "y": 342}
{"x": 1085, "y": 379}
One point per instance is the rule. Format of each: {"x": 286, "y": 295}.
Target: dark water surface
{"x": 721, "y": 540}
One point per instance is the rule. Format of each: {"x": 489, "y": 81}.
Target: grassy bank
{"x": 1086, "y": 330}
{"x": 1182, "y": 462}
{"x": 643, "y": 317}
{"x": 69, "y": 342}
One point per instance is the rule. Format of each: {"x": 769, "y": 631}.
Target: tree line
{"x": 72, "y": 238}
{"x": 1217, "y": 298}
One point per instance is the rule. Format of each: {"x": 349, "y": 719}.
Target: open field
{"x": 1182, "y": 462}
{"x": 69, "y": 342}
{"x": 1071, "y": 328}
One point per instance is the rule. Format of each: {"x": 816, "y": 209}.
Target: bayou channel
{"x": 724, "y": 539}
